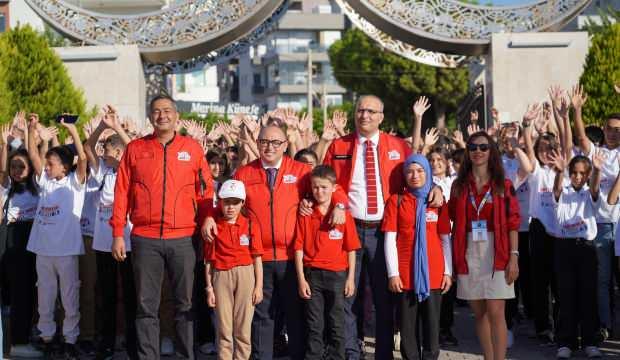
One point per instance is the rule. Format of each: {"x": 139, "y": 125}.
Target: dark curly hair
{"x": 495, "y": 165}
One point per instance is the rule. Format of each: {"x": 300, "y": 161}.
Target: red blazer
{"x": 392, "y": 152}
{"x": 505, "y": 218}
{"x": 161, "y": 188}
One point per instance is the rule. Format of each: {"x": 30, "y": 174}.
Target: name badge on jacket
{"x": 335, "y": 234}
{"x": 289, "y": 179}
{"x": 393, "y": 155}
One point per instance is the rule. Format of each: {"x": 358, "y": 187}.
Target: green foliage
{"x": 608, "y": 17}
{"x": 601, "y": 71}
{"x": 365, "y": 68}
{"x": 36, "y": 79}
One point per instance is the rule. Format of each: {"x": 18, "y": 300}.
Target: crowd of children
{"x": 523, "y": 202}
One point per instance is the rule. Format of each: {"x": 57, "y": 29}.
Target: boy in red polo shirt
{"x": 323, "y": 253}
{"x": 234, "y": 273}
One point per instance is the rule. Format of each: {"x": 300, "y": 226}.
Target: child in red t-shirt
{"x": 234, "y": 273}
{"x": 323, "y": 254}
{"x": 419, "y": 265}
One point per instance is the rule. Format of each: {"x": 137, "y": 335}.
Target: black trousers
{"x": 205, "y": 331}
{"x": 446, "y": 319}
{"x": 523, "y": 289}
{"x": 279, "y": 292}
{"x": 107, "y": 275}
{"x": 151, "y": 257}
{"x": 576, "y": 268}
{"x": 19, "y": 278}
{"x": 413, "y": 314}
{"x": 326, "y": 302}
{"x": 542, "y": 276}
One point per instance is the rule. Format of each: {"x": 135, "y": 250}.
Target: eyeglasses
{"x": 369, "y": 111}
{"x": 480, "y": 147}
{"x": 265, "y": 143}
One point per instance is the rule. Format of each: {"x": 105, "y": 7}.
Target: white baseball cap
{"x": 232, "y": 189}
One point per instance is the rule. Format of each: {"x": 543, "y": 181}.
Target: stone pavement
{"x": 525, "y": 346}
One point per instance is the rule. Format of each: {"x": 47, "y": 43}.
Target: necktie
{"x": 371, "y": 179}
{"x": 271, "y": 177}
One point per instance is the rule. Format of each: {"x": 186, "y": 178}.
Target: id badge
{"x": 479, "y": 230}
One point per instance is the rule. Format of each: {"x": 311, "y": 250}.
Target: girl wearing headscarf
{"x": 419, "y": 260}
{"x": 485, "y": 213}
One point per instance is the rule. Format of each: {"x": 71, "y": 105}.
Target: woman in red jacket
{"x": 485, "y": 213}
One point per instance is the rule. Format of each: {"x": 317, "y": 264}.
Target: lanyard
{"x": 482, "y": 203}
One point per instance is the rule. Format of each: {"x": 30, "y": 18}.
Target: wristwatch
{"x": 514, "y": 252}
{"x": 340, "y": 206}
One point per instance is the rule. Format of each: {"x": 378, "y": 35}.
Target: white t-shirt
{"x": 91, "y": 198}
{"x": 608, "y": 213}
{"x": 445, "y": 184}
{"x": 511, "y": 168}
{"x": 102, "y": 241}
{"x": 542, "y": 203}
{"x": 22, "y": 206}
{"x": 56, "y": 229}
{"x": 576, "y": 213}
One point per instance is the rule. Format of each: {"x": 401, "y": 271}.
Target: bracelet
{"x": 514, "y": 252}
{"x": 209, "y": 288}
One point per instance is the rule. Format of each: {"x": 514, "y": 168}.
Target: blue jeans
{"x": 605, "y": 252}
{"x": 371, "y": 259}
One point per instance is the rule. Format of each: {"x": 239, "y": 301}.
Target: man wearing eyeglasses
{"x": 368, "y": 165}
{"x": 275, "y": 186}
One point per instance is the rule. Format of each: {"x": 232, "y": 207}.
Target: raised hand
{"x": 555, "y": 94}
{"x": 420, "y": 106}
{"x": 305, "y": 123}
{"x": 329, "y": 131}
{"x": 532, "y": 113}
{"x": 111, "y": 119}
{"x": 557, "y": 161}
{"x": 598, "y": 159}
{"x": 457, "y": 137}
{"x": 5, "y": 133}
{"x": 291, "y": 119}
{"x": 563, "y": 107}
{"x": 431, "y": 137}
{"x": 472, "y": 129}
{"x": 617, "y": 88}
{"x": 19, "y": 121}
{"x": 237, "y": 120}
{"x": 578, "y": 96}
{"x": 252, "y": 126}
{"x": 33, "y": 120}
{"x": 339, "y": 119}
{"x": 47, "y": 133}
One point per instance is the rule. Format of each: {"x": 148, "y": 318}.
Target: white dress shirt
{"x": 358, "y": 198}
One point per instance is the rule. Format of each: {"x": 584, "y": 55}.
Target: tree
{"x": 362, "y": 66}
{"x": 601, "y": 71}
{"x": 35, "y": 77}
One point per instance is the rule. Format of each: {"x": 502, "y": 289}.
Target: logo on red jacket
{"x": 244, "y": 240}
{"x": 335, "y": 234}
{"x": 183, "y": 156}
{"x": 393, "y": 155}
{"x": 289, "y": 179}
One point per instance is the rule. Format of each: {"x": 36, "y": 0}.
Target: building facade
{"x": 274, "y": 73}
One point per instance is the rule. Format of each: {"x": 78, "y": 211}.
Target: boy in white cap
{"x": 234, "y": 273}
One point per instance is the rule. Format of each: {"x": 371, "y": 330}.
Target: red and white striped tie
{"x": 371, "y": 179}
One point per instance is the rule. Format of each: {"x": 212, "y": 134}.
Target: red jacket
{"x": 161, "y": 188}
{"x": 275, "y": 214}
{"x": 235, "y": 244}
{"x": 392, "y": 152}
{"x": 505, "y": 218}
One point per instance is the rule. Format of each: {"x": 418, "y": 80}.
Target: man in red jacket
{"x": 368, "y": 165}
{"x": 275, "y": 185}
{"x": 163, "y": 181}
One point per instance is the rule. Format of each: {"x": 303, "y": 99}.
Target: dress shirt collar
{"x": 276, "y": 166}
{"x": 373, "y": 138}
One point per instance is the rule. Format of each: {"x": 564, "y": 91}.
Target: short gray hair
{"x": 363, "y": 97}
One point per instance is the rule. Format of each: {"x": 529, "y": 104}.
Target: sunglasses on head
{"x": 481, "y": 147}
